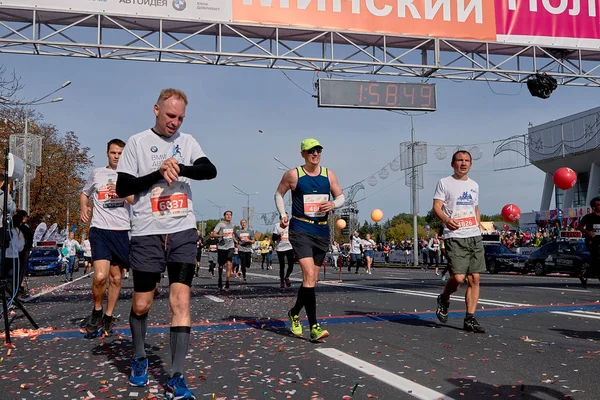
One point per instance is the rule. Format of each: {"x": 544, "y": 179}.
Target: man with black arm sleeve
{"x": 157, "y": 167}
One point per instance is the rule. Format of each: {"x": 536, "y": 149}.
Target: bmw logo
{"x": 179, "y": 5}
{"x": 154, "y": 149}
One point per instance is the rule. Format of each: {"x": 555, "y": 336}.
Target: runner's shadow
{"x": 120, "y": 353}
{"x": 476, "y": 390}
{"x": 404, "y": 319}
{"x": 578, "y": 334}
{"x": 276, "y": 326}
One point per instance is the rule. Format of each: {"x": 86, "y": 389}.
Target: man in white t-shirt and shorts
{"x": 157, "y": 167}
{"x": 109, "y": 238}
{"x": 456, "y": 204}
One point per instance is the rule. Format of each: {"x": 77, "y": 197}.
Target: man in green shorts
{"x": 456, "y": 204}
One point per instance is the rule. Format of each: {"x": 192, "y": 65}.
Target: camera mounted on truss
{"x": 541, "y": 85}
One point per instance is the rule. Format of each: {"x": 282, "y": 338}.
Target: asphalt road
{"x": 542, "y": 341}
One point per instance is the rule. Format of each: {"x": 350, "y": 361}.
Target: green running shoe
{"x": 295, "y": 324}
{"x": 318, "y": 333}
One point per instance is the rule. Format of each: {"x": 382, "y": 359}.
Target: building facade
{"x": 572, "y": 142}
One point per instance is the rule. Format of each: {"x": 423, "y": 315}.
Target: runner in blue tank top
{"x": 311, "y": 186}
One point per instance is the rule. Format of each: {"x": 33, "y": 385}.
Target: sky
{"x": 229, "y": 106}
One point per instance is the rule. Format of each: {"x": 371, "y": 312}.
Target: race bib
{"x": 227, "y": 233}
{"x": 596, "y": 228}
{"x": 169, "y": 202}
{"x": 244, "y": 236}
{"x": 212, "y": 247}
{"x": 465, "y": 219}
{"x": 109, "y": 198}
{"x": 312, "y": 203}
{"x": 285, "y": 237}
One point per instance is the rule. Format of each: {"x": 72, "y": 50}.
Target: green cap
{"x": 308, "y": 144}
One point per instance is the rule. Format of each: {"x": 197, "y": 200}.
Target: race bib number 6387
{"x": 165, "y": 204}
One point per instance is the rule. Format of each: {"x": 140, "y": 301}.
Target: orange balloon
{"x": 376, "y": 215}
{"x": 340, "y": 223}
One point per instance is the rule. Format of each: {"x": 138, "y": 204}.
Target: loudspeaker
{"x": 541, "y": 85}
{"x": 16, "y": 167}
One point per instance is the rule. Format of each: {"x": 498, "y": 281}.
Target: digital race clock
{"x": 375, "y": 94}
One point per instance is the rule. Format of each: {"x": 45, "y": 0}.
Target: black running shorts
{"x": 224, "y": 256}
{"x": 151, "y": 253}
{"x": 309, "y": 245}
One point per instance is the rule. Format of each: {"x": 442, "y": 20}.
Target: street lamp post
{"x": 240, "y": 191}
{"x": 217, "y": 206}
{"x": 7, "y": 102}
{"x": 284, "y": 169}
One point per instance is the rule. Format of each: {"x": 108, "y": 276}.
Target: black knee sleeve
{"x": 144, "y": 282}
{"x": 181, "y": 273}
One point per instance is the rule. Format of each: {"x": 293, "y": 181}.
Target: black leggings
{"x": 245, "y": 259}
{"x": 282, "y": 255}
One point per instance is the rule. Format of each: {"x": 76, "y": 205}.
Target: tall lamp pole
{"x": 8, "y": 102}
{"x": 286, "y": 168}
{"x": 240, "y": 191}
{"x": 217, "y": 206}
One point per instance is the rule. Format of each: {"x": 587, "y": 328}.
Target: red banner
{"x": 572, "y": 23}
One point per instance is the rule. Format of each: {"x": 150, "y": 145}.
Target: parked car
{"x": 571, "y": 258}
{"x": 499, "y": 258}
{"x": 44, "y": 261}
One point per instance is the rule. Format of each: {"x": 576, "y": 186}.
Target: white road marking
{"x": 561, "y": 289}
{"x": 578, "y": 313}
{"x": 52, "y": 289}
{"x": 495, "y": 303}
{"x": 214, "y": 298}
{"x": 403, "y": 384}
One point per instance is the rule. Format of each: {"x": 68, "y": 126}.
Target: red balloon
{"x": 565, "y": 178}
{"x": 511, "y": 213}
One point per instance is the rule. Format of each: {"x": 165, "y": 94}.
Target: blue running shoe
{"x": 139, "y": 372}
{"x": 177, "y": 389}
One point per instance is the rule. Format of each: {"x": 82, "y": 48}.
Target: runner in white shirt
{"x": 87, "y": 254}
{"x": 456, "y": 204}
{"x": 109, "y": 238}
{"x": 355, "y": 251}
{"x": 158, "y": 166}
{"x": 72, "y": 245}
{"x": 283, "y": 247}
{"x": 368, "y": 246}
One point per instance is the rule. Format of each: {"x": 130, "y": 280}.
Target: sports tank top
{"x": 310, "y": 192}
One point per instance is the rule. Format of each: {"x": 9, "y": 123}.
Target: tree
{"x": 9, "y": 87}
{"x": 58, "y": 182}
{"x": 364, "y": 229}
{"x": 401, "y": 231}
{"x": 434, "y": 223}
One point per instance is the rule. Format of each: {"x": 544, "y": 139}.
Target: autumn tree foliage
{"x": 65, "y": 162}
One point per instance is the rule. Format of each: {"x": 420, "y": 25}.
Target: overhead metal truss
{"x": 85, "y": 35}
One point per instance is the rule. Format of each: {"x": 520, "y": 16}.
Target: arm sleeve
{"x": 129, "y": 184}
{"x": 202, "y": 169}
{"x": 280, "y": 204}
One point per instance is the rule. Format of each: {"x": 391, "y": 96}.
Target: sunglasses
{"x": 314, "y": 150}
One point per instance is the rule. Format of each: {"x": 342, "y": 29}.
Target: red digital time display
{"x": 378, "y": 95}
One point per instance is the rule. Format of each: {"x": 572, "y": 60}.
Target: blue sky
{"x": 228, "y": 106}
